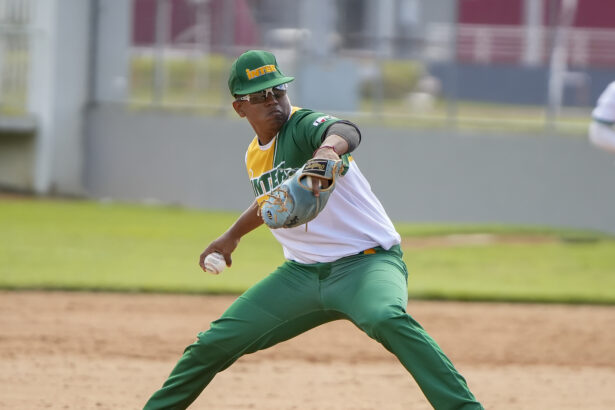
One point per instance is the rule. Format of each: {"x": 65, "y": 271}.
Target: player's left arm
{"x": 339, "y": 139}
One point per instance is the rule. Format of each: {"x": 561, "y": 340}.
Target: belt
{"x": 395, "y": 249}
{"x": 369, "y": 251}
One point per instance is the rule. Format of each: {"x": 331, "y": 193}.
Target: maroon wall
{"x": 244, "y": 29}
{"x": 590, "y": 13}
{"x": 499, "y": 12}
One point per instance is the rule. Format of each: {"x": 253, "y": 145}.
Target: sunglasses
{"x": 260, "y": 97}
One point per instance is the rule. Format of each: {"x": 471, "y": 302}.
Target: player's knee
{"x": 204, "y": 350}
{"x": 382, "y": 321}
{"x": 229, "y": 341}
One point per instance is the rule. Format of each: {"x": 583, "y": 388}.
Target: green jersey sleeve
{"x": 302, "y": 135}
{"x": 305, "y": 131}
{"x": 311, "y": 128}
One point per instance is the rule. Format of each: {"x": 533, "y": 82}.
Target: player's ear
{"x": 238, "y": 109}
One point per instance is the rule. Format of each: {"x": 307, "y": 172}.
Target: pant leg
{"x": 281, "y": 306}
{"x": 372, "y": 291}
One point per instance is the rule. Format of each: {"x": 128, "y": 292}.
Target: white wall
{"x": 58, "y": 92}
{"x": 113, "y": 42}
{"x": 419, "y": 176}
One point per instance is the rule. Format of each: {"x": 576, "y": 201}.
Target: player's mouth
{"x": 275, "y": 113}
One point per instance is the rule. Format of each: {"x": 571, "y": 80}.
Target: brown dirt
{"x": 111, "y": 351}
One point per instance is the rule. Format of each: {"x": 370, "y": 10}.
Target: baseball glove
{"x": 293, "y": 203}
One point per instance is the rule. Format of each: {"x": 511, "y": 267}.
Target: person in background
{"x": 602, "y": 128}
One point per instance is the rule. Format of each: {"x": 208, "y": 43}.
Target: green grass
{"x": 552, "y": 272}
{"x": 58, "y": 244}
{"x": 87, "y": 245}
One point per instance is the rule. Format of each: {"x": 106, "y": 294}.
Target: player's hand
{"x": 317, "y": 184}
{"x": 225, "y": 245}
{"x": 324, "y": 152}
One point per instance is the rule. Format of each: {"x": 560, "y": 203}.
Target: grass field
{"x": 57, "y": 244}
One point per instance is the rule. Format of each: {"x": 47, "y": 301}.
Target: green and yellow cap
{"x": 253, "y": 71}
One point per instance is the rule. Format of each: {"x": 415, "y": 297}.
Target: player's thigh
{"x": 282, "y": 305}
{"x": 370, "y": 288}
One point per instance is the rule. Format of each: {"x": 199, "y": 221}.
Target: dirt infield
{"x": 111, "y": 351}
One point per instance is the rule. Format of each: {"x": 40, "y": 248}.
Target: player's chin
{"x": 277, "y": 116}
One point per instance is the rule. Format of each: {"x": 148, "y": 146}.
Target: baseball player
{"x": 602, "y": 130}
{"x": 346, "y": 264}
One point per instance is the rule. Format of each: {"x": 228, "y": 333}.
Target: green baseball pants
{"x": 368, "y": 289}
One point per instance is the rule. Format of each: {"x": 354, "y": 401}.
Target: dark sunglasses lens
{"x": 258, "y": 98}
{"x": 261, "y": 96}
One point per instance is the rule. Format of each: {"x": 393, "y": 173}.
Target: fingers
{"x": 227, "y": 258}
{"x": 224, "y": 245}
{"x": 318, "y": 184}
{"x": 202, "y": 259}
{"x": 315, "y": 183}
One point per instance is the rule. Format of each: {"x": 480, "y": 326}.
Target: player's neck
{"x": 264, "y": 142}
{"x": 265, "y": 136}
{"x": 265, "y": 130}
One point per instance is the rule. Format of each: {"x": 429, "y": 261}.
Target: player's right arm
{"x": 228, "y": 241}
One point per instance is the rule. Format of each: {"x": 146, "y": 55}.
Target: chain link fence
{"x": 15, "y": 42}
{"x": 400, "y": 61}
{"x": 403, "y": 62}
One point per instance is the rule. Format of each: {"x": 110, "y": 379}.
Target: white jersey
{"x": 353, "y": 219}
{"x": 601, "y": 132}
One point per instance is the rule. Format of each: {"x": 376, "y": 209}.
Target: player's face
{"x": 265, "y": 110}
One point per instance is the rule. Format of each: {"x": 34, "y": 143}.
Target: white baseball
{"x": 214, "y": 263}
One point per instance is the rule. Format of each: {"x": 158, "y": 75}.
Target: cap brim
{"x": 264, "y": 85}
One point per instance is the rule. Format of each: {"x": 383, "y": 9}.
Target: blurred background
{"x": 471, "y": 110}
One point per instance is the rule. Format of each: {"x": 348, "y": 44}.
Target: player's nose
{"x": 270, "y": 99}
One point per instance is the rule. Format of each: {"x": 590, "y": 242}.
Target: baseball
{"x": 214, "y": 263}
{"x": 308, "y": 182}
